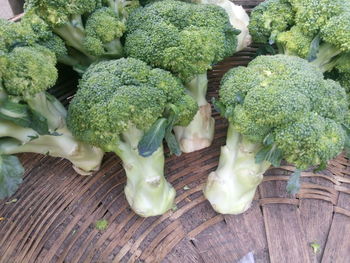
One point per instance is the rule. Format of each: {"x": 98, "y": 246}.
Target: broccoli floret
{"x": 186, "y": 39}
{"x": 125, "y": 106}
{"x": 269, "y": 19}
{"x": 103, "y": 31}
{"x": 319, "y": 31}
{"x": 312, "y": 15}
{"x": 32, "y": 120}
{"x": 283, "y": 108}
{"x": 294, "y": 42}
{"x": 90, "y": 28}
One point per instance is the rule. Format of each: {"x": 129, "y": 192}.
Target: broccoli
{"x": 126, "y": 107}
{"x": 31, "y": 120}
{"x": 91, "y": 29}
{"x": 314, "y": 30}
{"x": 186, "y": 39}
{"x": 269, "y": 19}
{"x": 278, "y": 107}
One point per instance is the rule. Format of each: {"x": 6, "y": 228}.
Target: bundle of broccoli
{"x": 187, "y": 39}
{"x": 32, "y": 120}
{"x": 279, "y": 107}
{"x": 126, "y": 107}
{"x": 318, "y": 31}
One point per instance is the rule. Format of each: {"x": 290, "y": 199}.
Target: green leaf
{"x": 218, "y": 106}
{"x": 265, "y": 50}
{"x": 39, "y": 123}
{"x": 170, "y": 139}
{"x": 11, "y": 173}
{"x": 271, "y": 154}
{"x": 172, "y": 144}
{"x": 16, "y": 113}
{"x": 293, "y": 185}
{"x": 22, "y": 115}
{"x": 153, "y": 138}
{"x": 314, "y": 48}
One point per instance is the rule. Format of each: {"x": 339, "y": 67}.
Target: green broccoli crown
{"x": 102, "y": 27}
{"x": 287, "y": 98}
{"x": 294, "y": 42}
{"x": 312, "y": 15}
{"x": 16, "y": 34}
{"x": 116, "y": 94}
{"x": 23, "y": 73}
{"x": 59, "y": 12}
{"x": 337, "y": 31}
{"x": 183, "y": 38}
{"x": 270, "y": 18}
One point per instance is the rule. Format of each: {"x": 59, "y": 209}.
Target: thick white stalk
{"x": 231, "y": 188}
{"x": 147, "y": 190}
{"x": 200, "y": 132}
{"x": 85, "y": 158}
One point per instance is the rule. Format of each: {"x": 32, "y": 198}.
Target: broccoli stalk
{"x": 16, "y": 139}
{"x": 200, "y": 132}
{"x": 126, "y": 107}
{"x": 279, "y": 107}
{"x": 146, "y": 190}
{"x": 231, "y": 188}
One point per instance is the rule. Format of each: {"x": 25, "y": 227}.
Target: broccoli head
{"x": 186, "y": 39}
{"x": 125, "y": 106}
{"x": 32, "y": 120}
{"x": 270, "y": 18}
{"x": 181, "y": 37}
{"x": 279, "y": 107}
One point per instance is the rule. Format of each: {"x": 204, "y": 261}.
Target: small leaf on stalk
{"x": 153, "y": 138}
{"x": 11, "y": 174}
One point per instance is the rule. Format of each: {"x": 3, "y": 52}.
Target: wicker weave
{"x": 56, "y": 209}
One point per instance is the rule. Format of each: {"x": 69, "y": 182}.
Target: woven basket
{"x": 54, "y": 217}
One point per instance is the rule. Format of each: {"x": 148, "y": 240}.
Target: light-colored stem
{"x": 231, "y": 188}
{"x": 200, "y": 132}
{"x": 49, "y": 107}
{"x": 147, "y": 190}
{"x": 85, "y": 158}
{"x": 325, "y": 60}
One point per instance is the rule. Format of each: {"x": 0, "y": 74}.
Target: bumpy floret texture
{"x": 115, "y": 94}
{"x": 294, "y": 42}
{"x": 102, "y": 27}
{"x": 23, "y": 72}
{"x": 337, "y": 31}
{"x": 312, "y": 15}
{"x": 287, "y": 98}
{"x": 270, "y": 18}
{"x": 59, "y": 12}
{"x": 181, "y": 37}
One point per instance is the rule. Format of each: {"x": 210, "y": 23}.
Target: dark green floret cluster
{"x": 315, "y": 30}
{"x": 286, "y": 99}
{"x": 32, "y": 120}
{"x": 184, "y": 38}
{"x": 125, "y": 106}
{"x": 90, "y": 30}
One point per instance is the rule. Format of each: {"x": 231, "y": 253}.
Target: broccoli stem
{"x": 114, "y": 49}
{"x": 200, "y": 132}
{"x": 147, "y": 190}
{"x": 74, "y": 36}
{"x": 231, "y": 188}
{"x": 326, "y": 57}
{"x": 49, "y": 107}
{"x": 85, "y": 158}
